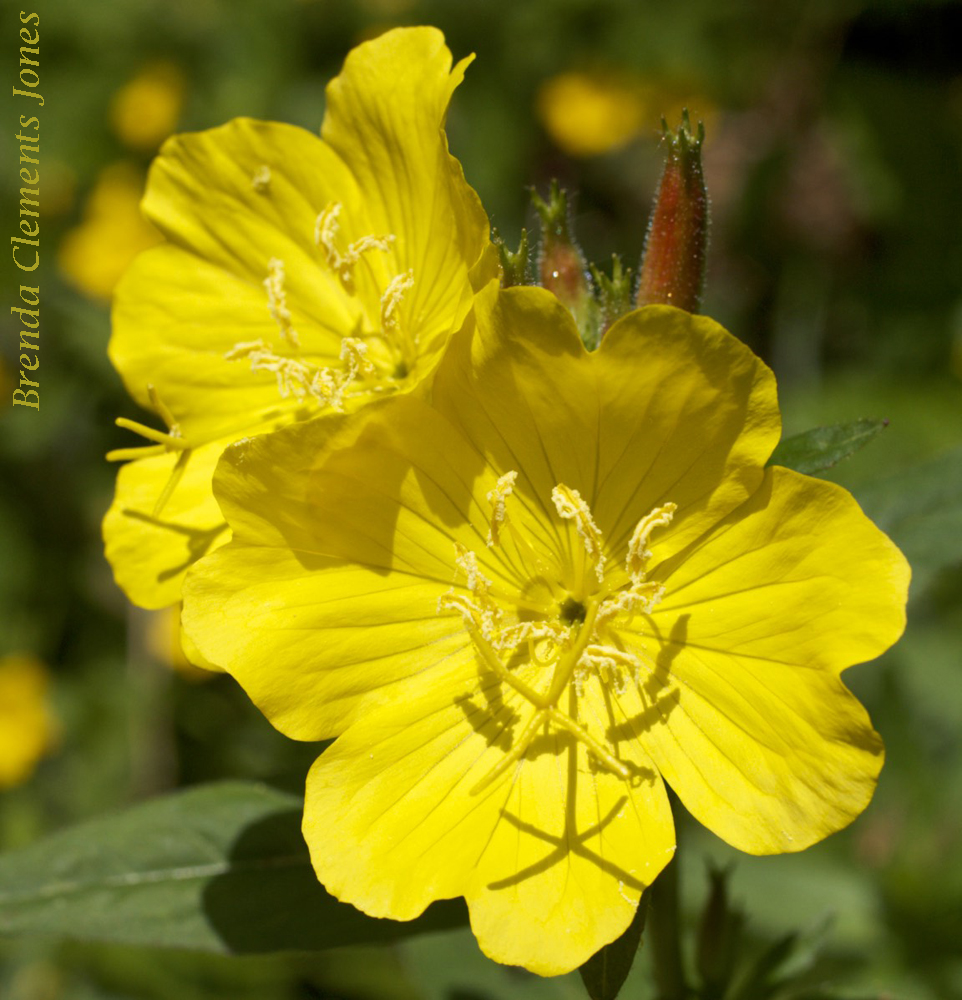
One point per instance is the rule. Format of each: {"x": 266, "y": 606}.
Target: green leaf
{"x": 822, "y": 447}
{"x": 220, "y": 868}
{"x": 605, "y": 972}
{"x": 921, "y": 508}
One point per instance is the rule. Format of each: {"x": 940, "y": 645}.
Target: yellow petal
{"x": 672, "y": 408}
{"x": 183, "y": 306}
{"x": 150, "y": 553}
{"x": 385, "y": 117}
{"x": 551, "y": 860}
{"x": 756, "y": 732}
{"x": 301, "y": 500}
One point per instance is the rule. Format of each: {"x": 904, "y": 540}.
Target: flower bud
{"x": 673, "y": 264}
{"x": 562, "y": 267}
{"x": 614, "y": 293}
{"x": 718, "y": 935}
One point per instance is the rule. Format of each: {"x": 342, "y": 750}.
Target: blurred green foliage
{"x": 834, "y": 160}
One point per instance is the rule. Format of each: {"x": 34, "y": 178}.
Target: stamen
{"x": 326, "y": 228}
{"x": 277, "y": 301}
{"x": 325, "y": 232}
{"x": 638, "y": 551}
{"x": 354, "y": 353}
{"x": 576, "y": 643}
{"x": 640, "y": 598}
{"x": 582, "y": 734}
{"x": 553, "y": 631}
{"x": 467, "y": 562}
{"x": 365, "y": 243}
{"x": 391, "y": 299}
{"x": 609, "y": 663}
{"x": 497, "y": 497}
{"x": 479, "y": 611}
{"x": 294, "y": 377}
{"x": 261, "y": 181}
{"x": 571, "y": 506}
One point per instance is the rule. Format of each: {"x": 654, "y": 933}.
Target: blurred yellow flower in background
{"x": 164, "y": 641}
{"x": 145, "y": 110}
{"x": 27, "y": 727}
{"x": 590, "y": 113}
{"x": 94, "y": 254}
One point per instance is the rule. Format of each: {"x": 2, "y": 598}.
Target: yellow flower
{"x": 27, "y": 728}
{"x": 96, "y": 253}
{"x": 145, "y": 110}
{"x": 590, "y": 113}
{"x": 526, "y": 600}
{"x": 163, "y": 639}
{"x": 298, "y": 275}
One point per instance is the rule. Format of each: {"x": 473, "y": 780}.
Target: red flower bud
{"x": 673, "y": 264}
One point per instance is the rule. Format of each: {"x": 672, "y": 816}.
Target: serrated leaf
{"x": 822, "y": 447}
{"x": 220, "y": 868}
{"x": 606, "y": 971}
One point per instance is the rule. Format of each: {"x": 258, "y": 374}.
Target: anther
{"x": 326, "y": 228}
{"x": 277, "y": 301}
{"x": 391, "y": 299}
{"x": 638, "y": 551}
{"x": 503, "y": 488}
{"x": 571, "y": 506}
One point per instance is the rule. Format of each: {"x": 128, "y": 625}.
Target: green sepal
{"x": 514, "y": 263}
{"x": 606, "y": 971}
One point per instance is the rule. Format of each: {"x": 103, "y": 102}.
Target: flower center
{"x": 361, "y": 370}
{"x": 572, "y": 612}
{"x": 329, "y": 386}
{"x": 548, "y": 624}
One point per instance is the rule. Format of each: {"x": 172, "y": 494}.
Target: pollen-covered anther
{"x": 294, "y": 377}
{"x": 277, "y": 301}
{"x": 326, "y": 228}
{"x": 640, "y": 598}
{"x": 391, "y": 300}
{"x": 354, "y": 355}
{"x": 546, "y": 639}
{"x": 467, "y": 562}
{"x": 571, "y": 506}
{"x": 479, "y": 610}
{"x": 638, "y": 552}
{"x": 497, "y": 496}
{"x": 612, "y": 665}
{"x": 261, "y": 181}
